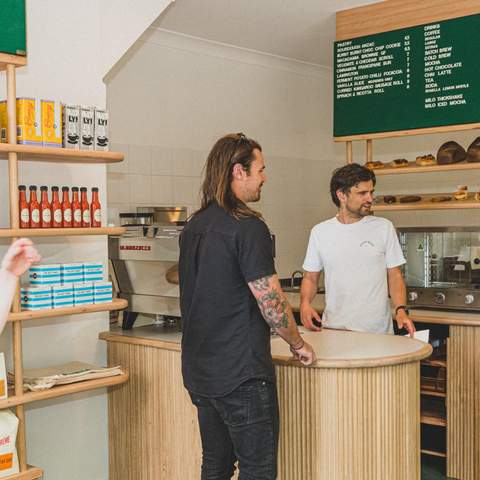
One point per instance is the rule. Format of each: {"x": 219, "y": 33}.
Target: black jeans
{"x": 241, "y": 426}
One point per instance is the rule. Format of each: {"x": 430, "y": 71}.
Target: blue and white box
{"x": 62, "y": 296}
{"x": 102, "y": 292}
{"x": 82, "y": 294}
{"x": 93, "y": 272}
{"x": 72, "y": 273}
{"x": 42, "y": 275}
{"x": 36, "y": 298}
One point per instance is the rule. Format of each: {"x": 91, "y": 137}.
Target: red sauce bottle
{"x": 57, "y": 217}
{"x": 45, "y": 209}
{"x": 95, "y": 209}
{"x": 66, "y": 208}
{"x": 24, "y": 219}
{"x": 34, "y": 208}
{"x": 76, "y": 209}
{"x": 86, "y": 222}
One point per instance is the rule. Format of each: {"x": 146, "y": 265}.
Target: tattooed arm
{"x": 277, "y": 313}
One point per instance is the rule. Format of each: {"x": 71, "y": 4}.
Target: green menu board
{"x": 12, "y": 27}
{"x": 424, "y": 76}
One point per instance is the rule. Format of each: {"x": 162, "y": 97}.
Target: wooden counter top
{"x": 334, "y": 348}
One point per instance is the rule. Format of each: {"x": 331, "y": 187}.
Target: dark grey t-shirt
{"x": 225, "y": 339}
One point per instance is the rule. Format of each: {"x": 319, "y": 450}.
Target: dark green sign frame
{"x": 13, "y": 38}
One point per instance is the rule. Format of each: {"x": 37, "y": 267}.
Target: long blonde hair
{"x": 216, "y": 187}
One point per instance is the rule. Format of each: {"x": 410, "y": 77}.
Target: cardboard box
{"x": 62, "y": 296}
{"x": 93, "y": 272}
{"x": 41, "y": 275}
{"x": 72, "y": 273}
{"x": 36, "y": 298}
{"x": 82, "y": 294}
{"x": 51, "y": 123}
{"x": 102, "y": 292}
{"x": 87, "y": 136}
{"x": 29, "y": 121}
{"x": 101, "y": 130}
{"x": 3, "y": 121}
{"x": 3, "y": 378}
{"x": 71, "y": 127}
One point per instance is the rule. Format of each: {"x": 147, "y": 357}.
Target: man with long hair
{"x": 231, "y": 299}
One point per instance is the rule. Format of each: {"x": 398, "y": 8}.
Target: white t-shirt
{"x": 355, "y": 258}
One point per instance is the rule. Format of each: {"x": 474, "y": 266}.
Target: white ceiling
{"x": 299, "y": 29}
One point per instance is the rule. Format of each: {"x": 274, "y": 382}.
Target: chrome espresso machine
{"x": 144, "y": 263}
{"x": 443, "y": 267}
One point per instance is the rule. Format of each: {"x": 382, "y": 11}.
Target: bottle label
{"x": 25, "y": 215}
{"x": 77, "y": 216}
{"x": 67, "y": 215}
{"x": 36, "y": 215}
{"x": 86, "y": 216}
{"x": 97, "y": 215}
{"x": 57, "y": 215}
{"x": 46, "y": 215}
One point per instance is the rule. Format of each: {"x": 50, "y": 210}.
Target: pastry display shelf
{"x": 414, "y": 168}
{"x": 63, "y": 390}
{"x": 14, "y": 60}
{"x": 31, "y": 473}
{"x": 426, "y": 204}
{"x": 116, "y": 304}
{"x": 432, "y": 393}
{"x": 63, "y": 155}
{"x": 59, "y": 232}
{"x": 433, "y": 418}
{"x": 433, "y": 453}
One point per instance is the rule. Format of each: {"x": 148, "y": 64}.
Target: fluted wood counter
{"x": 355, "y": 414}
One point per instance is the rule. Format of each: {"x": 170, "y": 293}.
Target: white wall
{"x": 67, "y": 437}
{"x": 174, "y": 95}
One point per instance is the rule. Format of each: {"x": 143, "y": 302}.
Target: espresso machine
{"x": 443, "y": 267}
{"x": 144, "y": 263}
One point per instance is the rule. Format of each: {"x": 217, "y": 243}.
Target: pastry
{"x": 388, "y": 199}
{"x": 477, "y": 196}
{"x": 460, "y": 195}
{"x": 473, "y": 152}
{"x": 399, "y": 162}
{"x": 441, "y": 198}
{"x": 462, "y": 187}
{"x": 374, "y": 165}
{"x": 450, "y": 152}
{"x": 410, "y": 199}
{"x": 425, "y": 160}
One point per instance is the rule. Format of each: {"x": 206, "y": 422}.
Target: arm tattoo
{"x": 274, "y": 309}
{"x": 261, "y": 285}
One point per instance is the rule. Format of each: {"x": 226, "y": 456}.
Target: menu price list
{"x": 418, "y": 77}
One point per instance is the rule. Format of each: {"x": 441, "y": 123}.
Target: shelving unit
{"x": 15, "y": 153}
{"x": 427, "y": 204}
{"x": 428, "y": 169}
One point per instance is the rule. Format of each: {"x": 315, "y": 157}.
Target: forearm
{"x": 309, "y": 287}
{"x": 397, "y": 290}
{"x": 8, "y": 283}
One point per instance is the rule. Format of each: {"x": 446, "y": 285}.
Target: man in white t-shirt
{"x": 361, "y": 257}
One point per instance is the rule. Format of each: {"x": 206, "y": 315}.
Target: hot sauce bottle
{"x": 34, "y": 208}
{"x": 95, "y": 209}
{"x": 86, "y": 222}
{"x": 45, "y": 209}
{"x": 76, "y": 209}
{"x": 56, "y": 209}
{"x": 66, "y": 208}
{"x": 23, "y": 207}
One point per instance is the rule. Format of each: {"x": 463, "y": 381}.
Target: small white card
{"x": 422, "y": 335}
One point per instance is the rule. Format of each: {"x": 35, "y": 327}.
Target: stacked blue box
{"x": 62, "y": 296}
{"x": 82, "y": 293}
{"x": 72, "y": 273}
{"x": 42, "y": 275}
{"x": 93, "y": 272}
{"x": 36, "y": 298}
{"x": 102, "y": 292}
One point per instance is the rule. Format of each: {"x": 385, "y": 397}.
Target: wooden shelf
{"x": 404, "y": 133}
{"x": 59, "y": 232}
{"x": 116, "y": 304}
{"x": 429, "y": 417}
{"x": 432, "y": 393}
{"x": 16, "y": 60}
{"x": 62, "y": 390}
{"x": 413, "y": 168}
{"x": 31, "y": 473}
{"x": 426, "y": 204}
{"x": 433, "y": 453}
{"x": 435, "y": 362}
{"x": 63, "y": 155}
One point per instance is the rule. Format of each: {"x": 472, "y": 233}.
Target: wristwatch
{"x": 402, "y": 307}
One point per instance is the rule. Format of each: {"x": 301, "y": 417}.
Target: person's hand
{"x": 307, "y": 315}
{"x": 20, "y": 256}
{"x": 305, "y": 354}
{"x": 404, "y": 321}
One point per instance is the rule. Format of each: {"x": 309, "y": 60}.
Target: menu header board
{"x": 417, "y": 77}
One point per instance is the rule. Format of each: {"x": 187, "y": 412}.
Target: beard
{"x": 254, "y": 196}
{"x": 363, "y": 211}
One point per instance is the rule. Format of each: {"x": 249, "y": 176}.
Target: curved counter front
{"x": 354, "y": 415}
